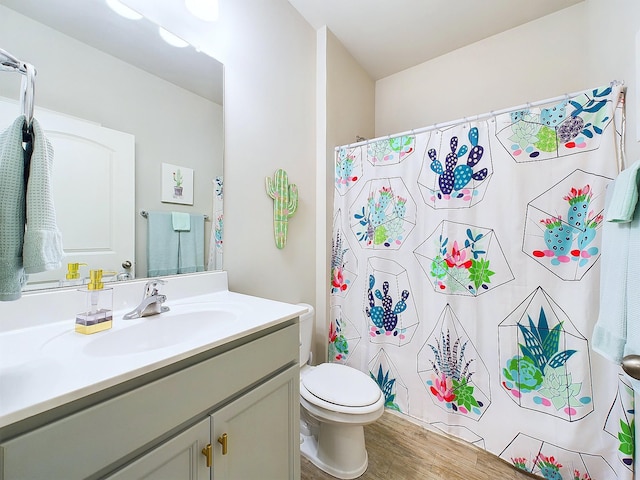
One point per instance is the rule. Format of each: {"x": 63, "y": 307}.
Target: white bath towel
{"x": 42, "y": 240}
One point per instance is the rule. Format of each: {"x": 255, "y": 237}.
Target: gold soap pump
{"x": 98, "y": 315}
{"x": 72, "y": 278}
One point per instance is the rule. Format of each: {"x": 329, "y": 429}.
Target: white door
{"x": 93, "y": 187}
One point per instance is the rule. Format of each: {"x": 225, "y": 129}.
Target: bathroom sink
{"x": 180, "y": 324}
{"x": 190, "y": 322}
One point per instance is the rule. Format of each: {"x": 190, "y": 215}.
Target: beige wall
{"x": 586, "y": 45}
{"x": 269, "y": 55}
{"x": 345, "y": 110}
{"x": 291, "y": 95}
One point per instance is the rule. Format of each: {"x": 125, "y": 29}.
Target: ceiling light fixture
{"x": 206, "y": 10}
{"x": 123, "y": 10}
{"x": 172, "y": 39}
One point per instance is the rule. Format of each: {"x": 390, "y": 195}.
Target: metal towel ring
{"x": 27, "y": 92}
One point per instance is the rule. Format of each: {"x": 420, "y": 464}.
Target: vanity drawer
{"x": 103, "y": 436}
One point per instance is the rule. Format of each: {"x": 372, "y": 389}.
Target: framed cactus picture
{"x": 177, "y": 184}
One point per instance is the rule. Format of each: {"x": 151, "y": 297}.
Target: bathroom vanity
{"x": 218, "y": 402}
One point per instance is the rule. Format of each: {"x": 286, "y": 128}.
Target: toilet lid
{"x": 341, "y": 385}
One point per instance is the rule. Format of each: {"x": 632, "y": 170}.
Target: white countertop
{"x": 47, "y": 365}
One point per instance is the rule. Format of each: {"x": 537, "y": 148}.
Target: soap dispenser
{"x": 72, "y": 278}
{"x": 98, "y": 313}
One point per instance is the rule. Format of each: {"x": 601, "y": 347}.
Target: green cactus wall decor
{"x": 285, "y": 203}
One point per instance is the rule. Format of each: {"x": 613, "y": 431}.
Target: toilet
{"x": 336, "y": 402}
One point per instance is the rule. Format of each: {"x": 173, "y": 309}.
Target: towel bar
{"x": 145, "y": 214}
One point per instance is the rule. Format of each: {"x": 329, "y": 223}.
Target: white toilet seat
{"x": 339, "y": 388}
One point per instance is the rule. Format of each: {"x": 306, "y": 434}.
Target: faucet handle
{"x": 150, "y": 287}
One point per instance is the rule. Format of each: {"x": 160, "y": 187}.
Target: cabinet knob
{"x": 222, "y": 440}
{"x": 207, "y": 452}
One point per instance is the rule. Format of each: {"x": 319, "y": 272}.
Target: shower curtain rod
{"x": 482, "y": 116}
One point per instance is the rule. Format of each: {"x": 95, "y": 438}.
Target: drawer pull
{"x": 206, "y": 451}
{"x": 222, "y": 440}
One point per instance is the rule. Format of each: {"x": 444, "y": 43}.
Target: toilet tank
{"x": 306, "y": 333}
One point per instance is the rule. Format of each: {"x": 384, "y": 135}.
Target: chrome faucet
{"x": 151, "y": 303}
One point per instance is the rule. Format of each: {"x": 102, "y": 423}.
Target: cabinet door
{"x": 261, "y": 433}
{"x": 179, "y": 458}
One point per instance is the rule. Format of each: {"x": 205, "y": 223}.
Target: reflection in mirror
{"x": 164, "y": 104}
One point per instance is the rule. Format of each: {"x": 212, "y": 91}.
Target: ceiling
{"x": 94, "y": 24}
{"x": 388, "y": 36}
{"x": 384, "y": 36}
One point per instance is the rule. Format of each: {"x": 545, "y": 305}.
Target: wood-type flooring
{"x": 401, "y": 450}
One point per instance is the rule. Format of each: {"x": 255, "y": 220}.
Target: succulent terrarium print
{"x": 390, "y": 151}
{"x": 344, "y": 263}
{"x": 552, "y": 462}
{"x": 620, "y": 423}
{"x": 383, "y": 214}
{"x": 456, "y": 167}
{"x": 544, "y": 360}
{"x": 463, "y": 260}
{"x": 388, "y": 303}
{"x": 338, "y": 343}
{"x": 344, "y": 336}
{"x": 339, "y": 282}
{"x": 382, "y": 309}
{"x": 387, "y": 386}
{"x": 571, "y": 126}
{"x": 561, "y": 232}
{"x": 387, "y": 377}
{"x": 348, "y": 166}
{"x": 455, "y": 377}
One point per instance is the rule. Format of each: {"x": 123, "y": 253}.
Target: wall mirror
{"x": 118, "y": 74}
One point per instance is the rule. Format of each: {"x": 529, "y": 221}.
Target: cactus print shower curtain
{"x": 464, "y": 280}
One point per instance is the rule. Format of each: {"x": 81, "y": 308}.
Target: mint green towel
{"x": 12, "y": 211}
{"x": 162, "y": 245}
{"x": 625, "y": 196}
{"x": 42, "y": 249}
{"x": 181, "y": 221}
{"x": 191, "y": 249}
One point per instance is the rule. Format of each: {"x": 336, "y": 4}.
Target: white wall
{"x": 170, "y": 124}
{"x": 586, "y": 45}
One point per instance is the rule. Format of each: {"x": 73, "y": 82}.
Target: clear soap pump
{"x": 98, "y": 313}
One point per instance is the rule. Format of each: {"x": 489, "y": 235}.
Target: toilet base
{"x": 338, "y": 450}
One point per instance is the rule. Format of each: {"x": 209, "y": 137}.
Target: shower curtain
{"x": 464, "y": 280}
{"x": 217, "y": 226}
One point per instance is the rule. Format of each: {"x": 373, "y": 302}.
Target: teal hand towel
{"x": 181, "y": 221}
{"x": 625, "y": 196}
{"x": 42, "y": 249}
{"x": 12, "y": 211}
{"x": 191, "y": 249}
{"x": 610, "y": 331}
{"x": 162, "y": 245}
